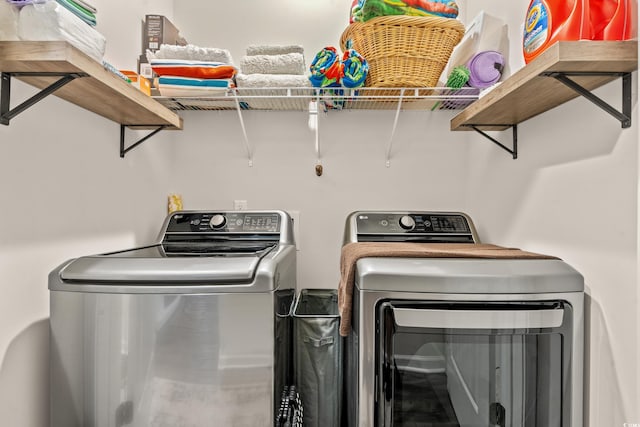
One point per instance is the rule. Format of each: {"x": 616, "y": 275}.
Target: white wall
{"x": 211, "y": 171}
{"x": 65, "y": 192}
{"x": 573, "y": 193}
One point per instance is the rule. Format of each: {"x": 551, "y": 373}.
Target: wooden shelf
{"x": 100, "y": 91}
{"x": 528, "y": 93}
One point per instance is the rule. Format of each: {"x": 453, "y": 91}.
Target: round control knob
{"x": 217, "y": 221}
{"x": 407, "y": 222}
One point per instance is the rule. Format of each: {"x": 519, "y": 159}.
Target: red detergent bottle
{"x": 549, "y": 21}
{"x": 613, "y": 19}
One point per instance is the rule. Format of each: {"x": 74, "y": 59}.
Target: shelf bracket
{"x": 514, "y": 128}
{"x": 6, "y": 114}
{"x": 393, "y": 129}
{"x": 313, "y": 126}
{"x": 624, "y": 117}
{"x": 124, "y": 150}
{"x": 247, "y": 146}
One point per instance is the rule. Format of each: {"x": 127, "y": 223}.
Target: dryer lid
{"x": 467, "y": 276}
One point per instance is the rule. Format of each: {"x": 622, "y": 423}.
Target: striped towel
{"x": 78, "y": 10}
{"x": 193, "y": 69}
{"x": 189, "y": 82}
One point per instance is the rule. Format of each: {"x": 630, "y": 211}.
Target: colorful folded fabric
{"x": 189, "y": 82}
{"x": 326, "y": 68}
{"x": 189, "y": 91}
{"x": 52, "y": 21}
{"x": 375, "y": 8}
{"x": 354, "y": 68}
{"x": 188, "y": 87}
{"x": 79, "y": 11}
{"x": 91, "y": 8}
{"x": 193, "y": 69}
{"x": 485, "y": 69}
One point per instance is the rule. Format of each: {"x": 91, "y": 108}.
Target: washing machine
{"x": 191, "y": 330}
{"x": 446, "y": 331}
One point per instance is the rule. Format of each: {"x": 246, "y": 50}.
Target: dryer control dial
{"x": 407, "y": 222}
{"x": 217, "y": 221}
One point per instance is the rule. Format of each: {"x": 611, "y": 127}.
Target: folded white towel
{"x": 271, "y": 80}
{"x": 8, "y": 21}
{"x": 50, "y": 21}
{"x": 289, "y": 63}
{"x": 191, "y": 52}
{"x": 263, "y": 91}
{"x": 274, "y": 49}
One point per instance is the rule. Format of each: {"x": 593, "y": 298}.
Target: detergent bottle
{"x": 613, "y": 19}
{"x": 549, "y": 21}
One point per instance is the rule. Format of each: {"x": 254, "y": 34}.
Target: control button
{"x": 384, "y": 223}
{"x": 195, "y": 222}
{"x": 239, "y": 222}
{"x": 217, "y": 221}
{"x": 407, "y": 222}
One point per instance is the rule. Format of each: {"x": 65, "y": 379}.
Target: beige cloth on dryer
{"x": 352, "y": 252}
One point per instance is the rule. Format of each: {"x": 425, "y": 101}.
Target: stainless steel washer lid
{"x": 141, "y": 266}
{"x": 196, "y": 252}
{"x": 467, "y": 276}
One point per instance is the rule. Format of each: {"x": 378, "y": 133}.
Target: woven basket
{"x": 404, "y": 51}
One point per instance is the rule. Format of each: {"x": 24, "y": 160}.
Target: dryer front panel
{"x": 473, "y": 364}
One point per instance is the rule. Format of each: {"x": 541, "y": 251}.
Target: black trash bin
{"x": 318, "y": 356}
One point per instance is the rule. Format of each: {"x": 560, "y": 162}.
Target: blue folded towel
{"x": 191, "y": 82}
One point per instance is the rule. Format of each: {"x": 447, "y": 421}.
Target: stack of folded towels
{"x": 192, "y": 71}
{"x": 81, "y": 9}
{"x": 47, "y": 20}
{"x": 271, "y": 66}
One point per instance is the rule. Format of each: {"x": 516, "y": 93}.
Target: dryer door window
{"x": 473, "y": 365}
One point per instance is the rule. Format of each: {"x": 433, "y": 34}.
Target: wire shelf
{"x": 298, "y": 99}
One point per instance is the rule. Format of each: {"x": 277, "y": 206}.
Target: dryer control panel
{"x": 419, "y": 227}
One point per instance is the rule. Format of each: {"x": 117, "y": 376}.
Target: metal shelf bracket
{"x": 313, "y": 126}
{"x": 124, "y": 150}
{"x": 514, "y": 128}
{"x": 624, "y": 117}
{"x": 247, "y": 146}
{"x": 6, "y": 114}
{"x": 393, "y": 129}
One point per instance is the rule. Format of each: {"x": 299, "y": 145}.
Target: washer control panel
{"x": 440, "y": 227}
{"x": 224, "y": 222}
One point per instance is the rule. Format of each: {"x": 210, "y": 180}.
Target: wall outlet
{"x": 240, "y": 205}
{"x": 295, "y": 216}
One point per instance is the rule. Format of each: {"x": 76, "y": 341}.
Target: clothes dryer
{"x": 192, "y": 330}
{"x": 447, "y": 331}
